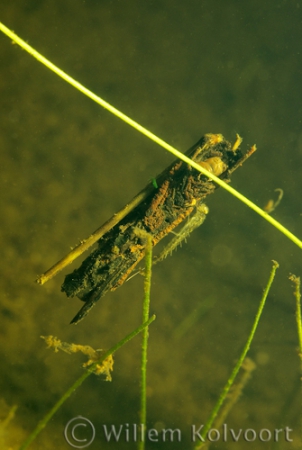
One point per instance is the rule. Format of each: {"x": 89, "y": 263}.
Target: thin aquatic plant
{"x": 297, "y": 294}
{"x": 145, "y": 335}
{"x": 248, "y": 366}
{"x": 242, "y": 357}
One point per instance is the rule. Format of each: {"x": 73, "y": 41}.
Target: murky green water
{"x": 67, "y": 165}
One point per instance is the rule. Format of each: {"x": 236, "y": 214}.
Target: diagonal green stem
{"x": 246, "y": 348}
{"x": 79, "y": 381}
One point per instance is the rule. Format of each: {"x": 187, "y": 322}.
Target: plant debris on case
{"x": 179, "y": 191}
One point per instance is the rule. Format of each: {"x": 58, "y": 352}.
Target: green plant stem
{"x": 80, "y": 380}
{"x": 147, "y": 133}
{"x": 297, "y": 294}
{"x": 145, "y": 334}
{"x": 246, "y": 348}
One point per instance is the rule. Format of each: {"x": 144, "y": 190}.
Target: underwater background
{"x": 181, "y": 69}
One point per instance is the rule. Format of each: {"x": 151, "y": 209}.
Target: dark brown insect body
{"x": 180, "y": 189}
